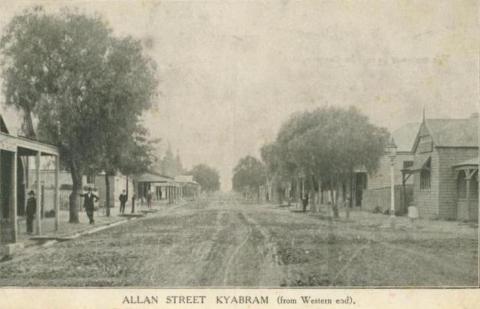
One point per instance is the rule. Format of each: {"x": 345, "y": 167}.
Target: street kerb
{"x": 20, "y": 251}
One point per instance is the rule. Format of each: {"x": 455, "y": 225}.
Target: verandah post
{"x": 56, "y": 199}
{"x": 37, "y": 175}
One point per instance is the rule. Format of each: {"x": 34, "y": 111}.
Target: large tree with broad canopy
{"x": 87, "y": 87}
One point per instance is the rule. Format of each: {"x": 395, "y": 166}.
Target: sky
{"x": 231, "y": 72}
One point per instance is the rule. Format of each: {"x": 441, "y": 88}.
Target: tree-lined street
{"x": 223, "y": 242}
{"x": 291, "y": 173}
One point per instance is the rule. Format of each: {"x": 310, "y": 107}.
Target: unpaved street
{"x": 221, "y": 242}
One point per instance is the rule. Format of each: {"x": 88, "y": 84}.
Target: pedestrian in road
{"x": 149, "y": 198}
{"x": 123, "y": 201}
{"x": 305, "y": 202}
{"x": 89, "y": 204}
{"x": 31, "y": 210}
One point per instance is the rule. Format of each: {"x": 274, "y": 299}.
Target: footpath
{"x": 66, "y": 231}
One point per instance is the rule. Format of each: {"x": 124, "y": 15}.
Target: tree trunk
{"x": 107, "y": 195}
{"x": 135, "y": 189}
{"x": 27, "y": 125}
{"x": 279, "y": 193}
{"x": 322, "y": 198}
{"x": 350, "y": 189}
{"x": 334, "y": 199}
{"x": 297, "y": 192}
{"x": 313, "y": 197}
{"x": 338, "y": 185}
{"x": 287, "y": 194}
{"x": 126, "y": 190}
{"x": 320, "y": 193}
{"x": 74, "y": 200}
{"x": 346, "y": 201}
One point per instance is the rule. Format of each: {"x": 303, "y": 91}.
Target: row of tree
{"x": 248, "y": 176}
{"x": 86, "y": 87}
{"x": 319, "y": 149}
{"x": 206, "y": 176}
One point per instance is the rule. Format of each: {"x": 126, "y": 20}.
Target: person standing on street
{"x": 305, "y": 202}
{"x": 31, "y": 210}
{"x": 123, "y": 201}
{"x": 149, "y": 198}
{"x": 89, "y": 204}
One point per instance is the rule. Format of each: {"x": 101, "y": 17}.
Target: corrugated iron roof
{"x": 151, "y": 177}
{"x": 453, "y": 132}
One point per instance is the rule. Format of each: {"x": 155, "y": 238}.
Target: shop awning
{"x": 25, "y": 146}
{"x": 153, "y": 178}
{"x": 471, "y": 162}
{"x": 468, "y": 165}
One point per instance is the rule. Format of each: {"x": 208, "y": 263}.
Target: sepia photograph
{"x": 240, "y": 145}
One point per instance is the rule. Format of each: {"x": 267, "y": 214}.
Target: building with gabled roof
{"x": 445, "y": 168}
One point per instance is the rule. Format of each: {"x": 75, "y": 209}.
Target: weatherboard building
{"x": 445, "y": 169}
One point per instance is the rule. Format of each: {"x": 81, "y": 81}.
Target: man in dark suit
{"x": 31, "y": 210}
{"x": 89, "y": 204}
{"x": 123, "y": 200}
{"x": 305, "y": 202}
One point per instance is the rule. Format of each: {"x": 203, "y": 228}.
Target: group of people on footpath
{"x": 346, "y": 202}
{"x": 89, "y": 199}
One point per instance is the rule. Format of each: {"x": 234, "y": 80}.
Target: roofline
{"x": 417, "y": 137}
{"x": 154, "y": 173}
{"x": 34, "y": 145}
{"x": 468, "y": 147}
{"x": 155, "y": 181}
{"x": 4, "y": 123}
{"x": 36, "y": 140}
{"x": 464, "y": 164}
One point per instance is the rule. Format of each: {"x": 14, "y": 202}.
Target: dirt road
{"x": 222, "y": 242}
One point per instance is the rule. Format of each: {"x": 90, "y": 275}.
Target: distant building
{"x": 373, "y": 191}
{"x": 162, "y": 187}
{"x": 117, "y": 184}
{"x": 169, "y": 165}
{"x": 189, "y": 188}
{"x": 445, "y": 169}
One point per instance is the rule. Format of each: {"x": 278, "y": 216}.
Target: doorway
{"x": 360, "y": 185}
